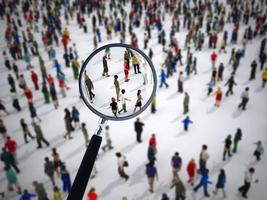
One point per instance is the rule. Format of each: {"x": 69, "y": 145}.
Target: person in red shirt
{"x": 218, "y": 96}
{"x": 50, "y": 79}
{"x": 28, "y": 94}
{"x": 191, "y": 170}
{"x": 11, "y": 146}
{"x": 153, "y": 142}
{"x": 213, "y": 58}
{"x": 34, "y": 77}
{"x": 126, "y": 71}
{"x": 92, "y": 195}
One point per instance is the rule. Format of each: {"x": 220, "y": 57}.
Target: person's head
{"x": 46, "y": 159}
{"x": 259, "y": 142}
{"x": 107, "y": 127}
{"x": 83, "y": 124}
{"x": 35, "y": 183}
{"x": 92, "y": 189}
{"x": 8, "y": 138}
{"x": 25, "y": 192}
{"x": 222, "y": 171}
{"x": 56, "y": 189}
{"x": 138, "y": 119}
{"x": 116, "y": 77}
{"x": 247, "y": 88}
{"x": 118, "y": 154}
{"x": 124, "y": 198}
{"x": 204, "y": 147}
{"x": 251, "y": 170}
{"x": 138, "y": 92}
{"x": 113, "y": 99}
{"x": 176, "y": 154}
{"x": 239, "y": 130}
{"x": 153, "y": 135}
{"x": 54, "y": 150}
{"x": 123, "y": 91}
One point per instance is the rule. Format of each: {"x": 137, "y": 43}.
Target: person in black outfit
{"x": 227, "y": 146}
{"x": 138, "y": 127}
{"x": 89, "y": 85}
{"x": 253, "y": 70}
{"x": 231, "y": 82}
{"x": 9, "y": 160}
{"x": 247, "y": 182}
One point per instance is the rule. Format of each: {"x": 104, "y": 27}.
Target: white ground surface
{"x": 211, "y": 126}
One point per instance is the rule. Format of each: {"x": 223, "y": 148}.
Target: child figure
{"x": 218, "y": 97}
{"x": 186, "y": 123}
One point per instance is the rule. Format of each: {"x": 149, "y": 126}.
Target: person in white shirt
{"x": 244, "y": 99}
{"x": 108, "y": 140}
{"x": 121, "y": 164}
{"x": 247, "y": 182}
{"x": 123, "y": 100}
{"x": 204, "y": 156}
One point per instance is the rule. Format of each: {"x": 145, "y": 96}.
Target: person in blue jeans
{"x": 186, "y": 122}
{"x": 163, "y": 78}
{"x": 204, "y": 181}
{"x": 65, "y": 177}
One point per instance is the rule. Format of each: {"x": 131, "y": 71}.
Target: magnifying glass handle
{"x": 85, "y": 169}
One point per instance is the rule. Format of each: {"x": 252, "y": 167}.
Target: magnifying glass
{"x": 116, "y": 82}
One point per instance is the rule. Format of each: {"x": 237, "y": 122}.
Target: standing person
{"x": 231, "y": 82}
{"x": 57, "y": 161}
{"x": 186, "y": 103}
{"x": 26, "y": 131}
{"x": 253, "y": 70}
{"x": 65, "y": 178}
{"x": 68, "y": 124}
{"x": 227, "y": 146}
{"x": 114, "y": 106}
{"x": 138, "y": 103}
{"x": 220, "y": 183}
{"x": 176, "y": 163}
{"x": 259, "y": 150}
{"x": 220, "y": 72}
{"x": 126, "y": 71}
{"x": 105, "y": 66}
{"x": 28, "y": 94}
{"x": 11, "y": 146}
{"x": 49, "y": 170}
{"x": 33, "y": 112}
{"x": 237, "y": 139}
{"x": 153, "y": 142}
{"x": 45, "y": 93}
{"x": 247, "y": 182}
{"x": 40, "y": 190}
{"x": 117, "y": 87}
{"x": 3, "y": 130}
{"x": 186, "y": 123}
{"x": 192, "y": 171}
{"x": 203, "y": 158}
{"x": 138, "y": 127}
{"x": 153, "y": 104}
{"x": 213, "y": 59}
{"x": 135, "y": 64}
{"x": 152, "y": 174}
{"x": 12, "y": 179}
{"x": 181, "y": 83}
{"x": 90, "y": 86}
{"x": 11, "y": 82}
{"x": 180, "y": 191}
{"x": 92, "y": 195}
{"x": 39, "y": 135}
{"x": 244, "y": 99}
{"x": 15, "y": 101}
{"x": 121, "y": 164}
{"x": 85, "y": 134}
{"x": 108, "y": 139}
{"x": 123, "y": 100}
{"x": 151, "y": 153}
{"x": 53, "y": 94}
{"x": 163, "y": 78}
{"x": 8, "y": 160}
{"x": 57, "y": 194}
{"x": 218, "y": 97}
{"x": 263, "y": 58}
{"x": 34, "y": 78}
{"x": 204, "y": 181}
{"x": 264, "y": 77}
{"x": 75, "y": 116}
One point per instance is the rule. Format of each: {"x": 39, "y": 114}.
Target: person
{"x": 180, "y": 191}
{"x": 213, "y": 59}
{"x": 191, "y": 170}
{"x": 85, "y": 134}
{"x": 123, "y": 100}
{"x": 114, "y": 106}
{"x": 89, "y": 86}
{"x": 220, "y": 72}
{"x": 3, "y": 130}
{"x": 203, "y": 158}
{"x": 176, "y": 163}
{"x": 11, "y": 83}
{"x": 8, "y": 159}
{"x": 33, "y": 112}
{"x": 121, "y": 164}
{"x": 227, "y": 146}
{"x": 12, "y": 179}
{"x": 65, "y": 178}
{"x": 181, "y": 83}
{"x": 26, "y": 195}
{"x": 259, "y": 150}
{"x": 138, "y": 103}
{"x": 11, "y": 147}
{"x": 244, "y": 99}
{"x": 165, "y": 197}
{"x": 247, "y": 182}
{"x": 34, "y": 78}
{"x": 49, "y": 170}
{"x": 186, "y": 103}
{"x": 126, "y": 70}
{"x": 40, "y": 190}
{"x": 153, "y": 142}
{"x": 237, "y": 139}
{"x": 186, "y": 123}
{"x": 218, "y": 97}
{"x": 221, "y": 183}
{"x": 151, "y": 153}
{"x": 68, "y": 124}
{"x": 163, "y": 78}
{"x": 135, "y": 63}
{"x": 253, "y": 70}
{"x": 15, "y": 101}
{"x": 2, "y": 107}
{"x": 92, "y": 195}
{"x": 108, "y": 140}
{"x": 45, "y": 93}
{"x": 138, "y": 127}
{"x": 57, "y": 194}
{"x": 39, "y": 135}
{"x": 204, "y": 181}
{"x": 153, "y": 104}
{"x": 53, "y": 94}
{"x": 152, "y": 174}
{"x": 264, "y": 77}
{"x": 56, "y": 161}
{"x": 105, "y": 66}
{"x": 75, "y": 116}
{"x": 231, "y": 82}
{"x": 117, "y": 87}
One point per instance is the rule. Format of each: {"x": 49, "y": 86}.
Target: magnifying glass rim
{"x": 123, "y": 117}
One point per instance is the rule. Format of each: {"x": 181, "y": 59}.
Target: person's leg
{"x": 197, "y": 187}
{"x": 39, "y": 144}
{"x": 246, "y": 189}
{"x": 45, "y": 141}
{"x": 205, "y": 188}
{"x": 15, "y": 167}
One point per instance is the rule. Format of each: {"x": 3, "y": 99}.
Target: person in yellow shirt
{"x": 264, "y": 77}
{"x": 57, "y": 194}
{"x": 135, "y": 63}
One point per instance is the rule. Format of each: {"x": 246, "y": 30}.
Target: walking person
{"x": 27, "y": 196}
{"x": 247, "y": 182}
{"x": 186, "y": 103}
{"x": 40, "y": 190}
{"x": 33, "y": 112}
{"x": 138, "y": 103}
{"x": 259, "y": 150}
{"x": 204, "y": 182}
{"x": 203, "y": 158}
{"x": 11, "y": 146}
{"x": 237, "y": 139}
{"x": 8, "y": 159}
{"x": 56, "y": 161}
{"x": 191, "y": 171}
{"x": 26, "y": 131}
{"x": 264, "y": 77}
{"x": 39, "y": 135}
{"x": 114, "y": 107}
{"x": 105, "y": 66}
{"x": 49, "y": 170}
{"x": 220, "y": 72}
{"x": 176, "y": 163}
{"x": 152, "y": 175}
{"x": 253, "y": 70}
{"x": 186, "y": 122}
{"x": 65, "y": 178}
{"x": 76, "y": 117}
{"x": 244, "y": 99}
{"x": 163, "y": 78}
{"x": 85, "y": 134}
{"x": 92, "y": 195}
{"x": 138, "y": 127}
{"x": 123, "y": 100}
{"x": 89, "y": 86}
{"x": 181, "y": 83}
{"x": 231, "y": 83}
{"x": 180, "y": 190}
{"x": 57, "y": 194}
{"x": 227, "y": 146}
{"x": 68, "y": 124}
{"x": 12, "y": 180}
{"x": 135, "y": 64}
{"x": 220, "y": 183}
{"x": 121, "y": 164}
{"x": 108, "y": 140}
{"x": 15, "y": 101}
{"x": 117, "y": 87}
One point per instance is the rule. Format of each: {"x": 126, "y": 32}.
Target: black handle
{"x": 85, "y": 169}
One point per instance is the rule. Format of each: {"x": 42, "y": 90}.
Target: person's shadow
{"x": 138, "y": 174}
{"x": 109, "y": 187}
{"x": 237, "y": 113}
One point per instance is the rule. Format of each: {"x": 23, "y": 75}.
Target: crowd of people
{"x": 36, "y": 30}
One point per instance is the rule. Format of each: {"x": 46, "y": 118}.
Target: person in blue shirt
{"x": 186, "y": 123}
{"x": 75, "y": 116}
{"x": 204, "y": 181}
{"x": 65, "y": 177}
{"x": 163, "y": 78}
{"x": 151, "y": 172}
{"x": 26, "y": 195}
